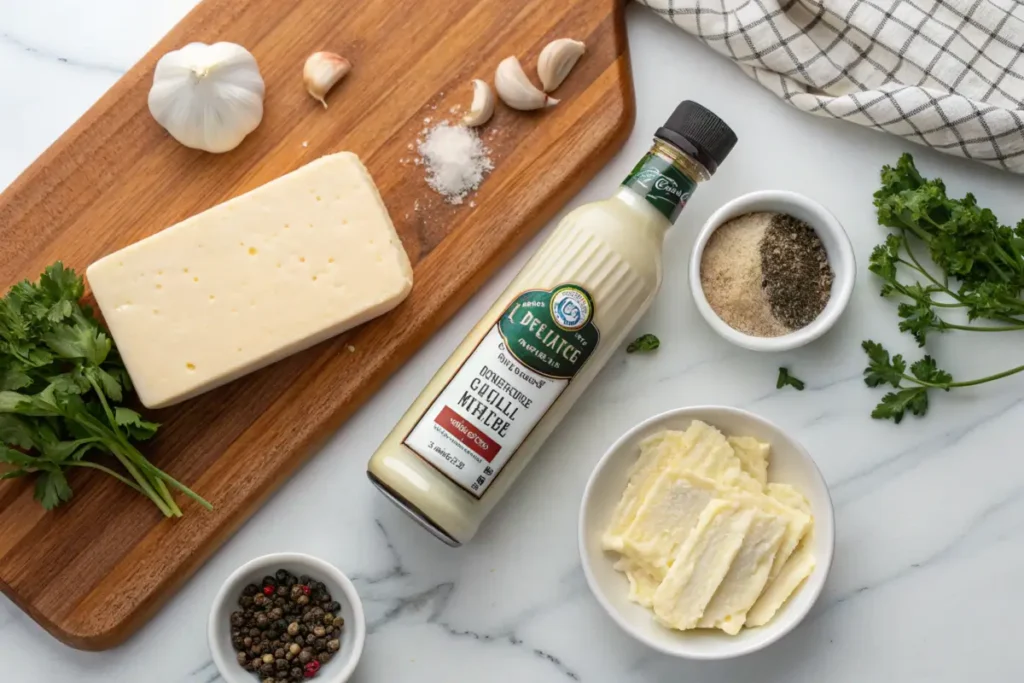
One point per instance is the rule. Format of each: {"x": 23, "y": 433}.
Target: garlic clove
{"x": 556, "y": 61}
{"x": 483, "y": 105}
{"x": 322, "y": 72}
{"x": 516, "y": 90}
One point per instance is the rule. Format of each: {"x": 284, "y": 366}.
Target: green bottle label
{"x": 507, "y": 384}
{"x": 551, "y": 332}
{"x": 657, "y": 180}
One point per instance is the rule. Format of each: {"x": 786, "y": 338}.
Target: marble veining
{"x": 929, "y": 514}
{"x": 43, "y": 53}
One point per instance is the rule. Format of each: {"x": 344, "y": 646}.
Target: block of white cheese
{"x": 252, "y": 280}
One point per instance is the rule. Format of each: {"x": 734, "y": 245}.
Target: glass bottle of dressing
{"x": 486, "y": 412}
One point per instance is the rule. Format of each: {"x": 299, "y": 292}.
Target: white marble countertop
{"x": 930, "y": 514}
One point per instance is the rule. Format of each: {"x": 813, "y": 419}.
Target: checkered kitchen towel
{"x": 948, "y": 74}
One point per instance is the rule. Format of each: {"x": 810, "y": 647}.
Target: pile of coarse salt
{"x": 456, "y": 160}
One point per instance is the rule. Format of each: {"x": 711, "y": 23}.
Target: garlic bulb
{"x": 208, "y": 97}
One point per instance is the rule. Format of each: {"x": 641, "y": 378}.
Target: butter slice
{"x": 747, "y": 576}
{"x": 253, "y": 280}
{"x": 642, "y": 583}
{"x": 753, "y": 456}
{"x": 642, "y": 476}
{"x": 664, "y": 520}
{"x": 700, "y": 448}
{"x": 704, "y": 450}
{"x": 797, "y": 523}
{"x": 701, "y": 564}
{"x": 794, "y": 572}
{"x": 799, "y": 566}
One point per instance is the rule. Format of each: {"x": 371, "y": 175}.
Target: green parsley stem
{"x": 105, "y": 470}
{"x": 184, "y": 489}
{"x": 160, "y": 495}
{"x": 161, "y": 488}
{"x": 1007, "y": 258}
{"x": 155, "y": 475}
{"x": 152, "y": 473}
{"x": 143, "y": 482}
{"x": 1016, "y": 252}
{"x": 998, "y": 375}
{"x": 1016, "y": 323}
{"x": 160, "y": 476}
{"x": 969, "y": 383}
{"x": 921, "y": 234}
{"x": 984, "y": 328}
{"x": 921, "y": 269}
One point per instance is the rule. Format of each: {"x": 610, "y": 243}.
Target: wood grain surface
{"x": 95, "y": 570}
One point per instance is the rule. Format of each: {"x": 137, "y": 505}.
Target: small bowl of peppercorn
{"x": 772, "y": 270}
{"x": 287, "y": 617}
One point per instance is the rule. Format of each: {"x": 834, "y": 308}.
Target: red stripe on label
{"x": 467, "y": 433}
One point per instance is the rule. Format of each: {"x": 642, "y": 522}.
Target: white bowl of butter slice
{"x": 706, "y": 532}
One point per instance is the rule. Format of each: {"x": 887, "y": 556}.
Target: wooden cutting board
{"x": 95, "y": 570}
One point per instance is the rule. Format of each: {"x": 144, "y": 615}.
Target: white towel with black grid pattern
{"x": 948, "y": 74}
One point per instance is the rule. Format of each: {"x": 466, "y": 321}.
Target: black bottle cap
{"x": 697, "y": 131}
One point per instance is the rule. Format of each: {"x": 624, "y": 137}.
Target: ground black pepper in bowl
{"x": 287, "y": 628}
{"x": 797, "y": 277}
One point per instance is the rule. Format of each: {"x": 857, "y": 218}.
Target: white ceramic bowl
{"x": 341, "y": 666}
{"x": 833, "y": 237}
{"x": 789, "y": 463}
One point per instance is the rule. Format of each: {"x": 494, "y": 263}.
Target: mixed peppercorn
{"x": 289, "y": 626}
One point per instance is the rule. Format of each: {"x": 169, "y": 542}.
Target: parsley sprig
{"x": 912, "y": 389}
{"x": 984, "y": 259}
{"x": 922, "y": 312}
{"x": 645, "y": 343}
{"x": 787, "y": 380}
{"x": 61, "y": 383}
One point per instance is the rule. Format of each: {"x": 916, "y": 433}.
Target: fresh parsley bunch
{"x": 61, "y": 381}
{"x": 969, "y": 247}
